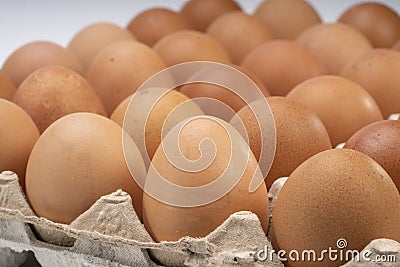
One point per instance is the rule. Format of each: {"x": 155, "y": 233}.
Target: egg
{"x": 18, "y": 134}
{"x": 119, "y": 69}
{"x": 78, "y": 159}
{"x": 90, "y": 40}
{"x": 281, "y": 65}
{"x": 338, "y": 199}
{"x": 376, "y": 71}
{"x": 35, "y": 55}
{"x": 151, "y": 25}
{"x": 53, "y": 92}
{"x": 118, "y": 114}
{"x": 203, "y": 12}
{"x": 334, "y": 45}
{"x": 287, "y": 18}
{"x": 187, "y": 208}
{"x": 378, "y": 22}
{"x": 343, "y": 106}
{"x": 7, "y": 87}
{"x": 300, "y": 134}
{"x": 189, "y": 45}
{"x": 239, "y": 33}
{"x": 381, "y": 142}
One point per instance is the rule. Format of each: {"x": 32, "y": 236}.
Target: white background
{"x": 23, "y": 21}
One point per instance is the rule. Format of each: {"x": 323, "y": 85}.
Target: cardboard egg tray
{"x": 110, "y": 234}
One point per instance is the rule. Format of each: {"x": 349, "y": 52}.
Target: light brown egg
{"x": 287, "y": 18}
{"x": 185, "y": 46}
{"x": 334, "y": 45}
{"x": 75, "y": 161}
{"x": 18, "y": 135}
{"x": 118, "y": 114}
{"x": 338, "y": 199}
{"x": 35, "y": 55}
{"x": 7, "y": 87}
{"x": 380, "y": 141}
{"x": 343, "y": 106}
{"x": 378, "y": 22}
{"x": 300, "y": 134}
{"x": 203, "y": 12}
{"x": 239, "y": 33}
{"x": 89, "y": 41}
{"x": 53, "y": 92}
{"x": 119, "y": 69}
{"x": 281, "y": 65}
{"x": 377, "y": 72}
{"x": 153, "y": 24}
{"x": 173, "y": 219}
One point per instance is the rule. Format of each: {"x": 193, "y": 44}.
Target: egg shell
{"x": 377, "y": 71}
{"x": 380, "y": 141}
{"x": 35, "y": 55}
{"x": 18, "y": 135}
{"x": 53, "y": 92}
{"x": 334, "y": 45}
{"x": 120, "y": 68}
{"x": 281, "y": 65}
{"x": 203, "y": 12}
{"x": 378, "y": 22}
{"x": 90, "y": 40}
{"x": 7, "y": 87}
{"x": 189, "y": 45}
{"x": 287, "y": 18}
{"x": 75, "y": 161}
{"x": 343, "y": 106}
{"x": 336, "y": 194}
{"x": 151, "y": 25}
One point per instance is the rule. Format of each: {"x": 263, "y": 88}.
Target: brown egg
{"x": 185, "y": 46}
{"x": 334, "y": 45}
{"x": 287, "y": 18}
{"x": 119, "y": 69}
{"x": 343, "y": 106}
{"x": 118, "y": 114}
{"x": 338, "y": 199}
{"x": 153, "y": 24}
{"x": 179, "y": 216}
{"x": 7, "y": 87}
{"x": 75, "y": 161}
{"x": 89, "y": 41}
{"x": 281, "y": 65}
{"x": 377, "y": 72}
{"x": 203, "y": 12}
{"x": 300, "y": 134}
{"x": 380, "y": 141}
{"x": 18, "y": 135}
{"x": 378, "y": 22}
{"x": 239, "y": 33}
{"x": 35, "y": 55}
{"x": 53, "y": 92}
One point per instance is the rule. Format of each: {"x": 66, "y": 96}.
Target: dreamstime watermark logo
{"x": 339, "y": 253}
{"x": 148, "y": 98}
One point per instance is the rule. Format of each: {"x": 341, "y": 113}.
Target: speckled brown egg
{"x": 287, "y": 18}
{"x": 153, "y": 24}
{"x": 377, "y": 71}
{"x": 38, "y": 54}
{"x": 7, "y": 87}
{"x": 336, "y": 195}
{"x": 378, "y": 22}
{"x": 334, "y": 45}
{"x": 185, "y": 46}
{"x": 343, "y": 106}
{"x": 18, "y": 134}
{"x": 381, "y": 142}
{"x": 203, "y": 12}
{"x": 239, "y": 33}
{"x": 281, "y": 65}
{"x": 89, "y": 41}
{"x": 53, "y": 92}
